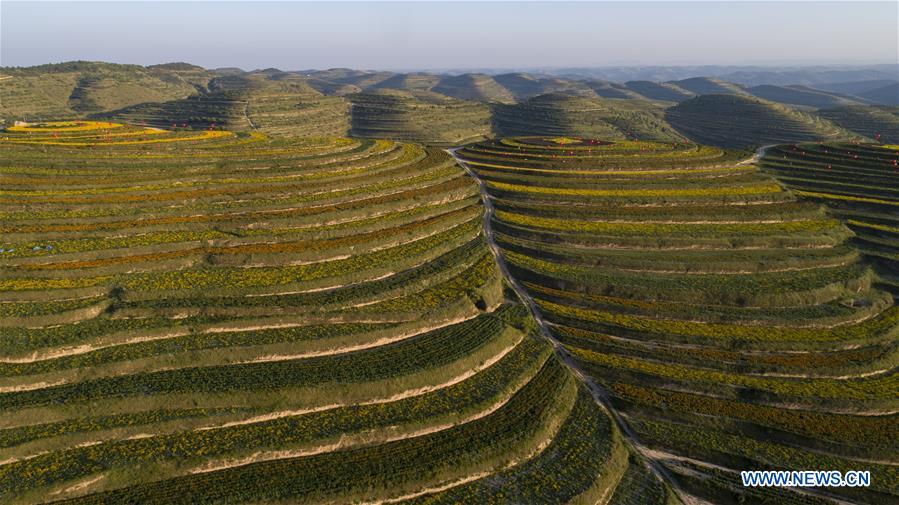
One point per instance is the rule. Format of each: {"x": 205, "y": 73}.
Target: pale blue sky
{"x": 433, "y": 35}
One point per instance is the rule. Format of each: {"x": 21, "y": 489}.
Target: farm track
{"x": 666, "y": 455}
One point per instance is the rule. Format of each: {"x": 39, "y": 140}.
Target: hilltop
{"x": 422, "y": 117}
{"x": 801, "y": 95}
{"x": 740, "y": 122}
{"x": 561, "y": 114}
{"x": 875, "y": 122}
{"x": 73, "y": 89}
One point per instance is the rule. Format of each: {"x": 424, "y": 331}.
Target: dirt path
{"x": 599, "y": 394}
{"x": 246, "y": 115}
{"x": 674, "y": 457}
{"x": 759, "y": 153}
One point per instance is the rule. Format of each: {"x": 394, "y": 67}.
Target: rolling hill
{"x": 418, "y": 81}
{"x": 560, "y": 114}
{"x": 74, "y": 89}
{"x": 801, "y": 95}
{"x": 607, "y": 89}
{"x": 708, "y": 86}
{"x": 659, "y": 91}
{"x": 474, "y": 87}
{"x": 277, "y": 104}
{"x": 421, "y": 117}
{"x": 740, "y": 122}
{"x": 886, "y": 95}
{"x": 874, "y": 122}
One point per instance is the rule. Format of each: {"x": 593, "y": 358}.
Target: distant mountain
{"x": 708, "y": 86}
{"x": 886, "y": 95}
{"x": 810, "y": 76}
{"x": 477, "y": 87}
{"x": 452, "y": 108}
{"x": 800, "y": 95}
{"x": 606, "y": 89}
{"x": 659, "y": 91}
{"x": 409, "y": 82}
{"x": 748, "y": 75}
{"x": 854, "y": 87}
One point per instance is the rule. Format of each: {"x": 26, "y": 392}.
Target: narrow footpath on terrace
{"x": 598, "y": 392}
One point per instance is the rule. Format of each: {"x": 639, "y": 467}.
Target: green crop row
{"x": 421, "y": 352}
{"x": 366, "y": 469}
{"x": 877, "y": 388}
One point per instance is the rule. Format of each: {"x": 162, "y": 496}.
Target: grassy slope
{"x": 558, "y": 114}
{"x": 422, "y": 117}
{"x": 737, "y": 121}
{"x": 800, "y": 95}
{"x": 78, "y": 88}
{"x": 867, "y": 120}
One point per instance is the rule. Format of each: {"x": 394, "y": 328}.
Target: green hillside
{"x": 421, "y": 117}
{"x": 708, "y": 86}
{"x": 886, "y": 95}
{"x": 476, "y": 87}
{"x": 606, "y": 89}
{"x": 290, "y": 106}
{"x": 859, "y": 183}
{"x": 801, "y": 95}
{"x": 332, "y": 88}
{"x": 742, "y": 122}
{"x": 418, "y": 81}
{"x": 74, "y": 89}
{"x": 276, "y": 103}
{"x": 359, "y": 78}
{"x": 559, "y": 114}
{"x": 659, "y": 91}
{"x": 874, "y": 122}
{"x": 733, "y": 327}
{"x": 198, "y": 112}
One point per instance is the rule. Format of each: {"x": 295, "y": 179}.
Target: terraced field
{"x": 880, "y": 123}
{"x": 859, "y": 183}
{"x": 561, "y": 114}
{"x": 420, "y": 116}
{"x": 274, "y": 104}
{"x": 732, "y": 326}
{"x": 218, "y": 317}
{"x": 78, "y": 88}
{"x": 734, "y": 121}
